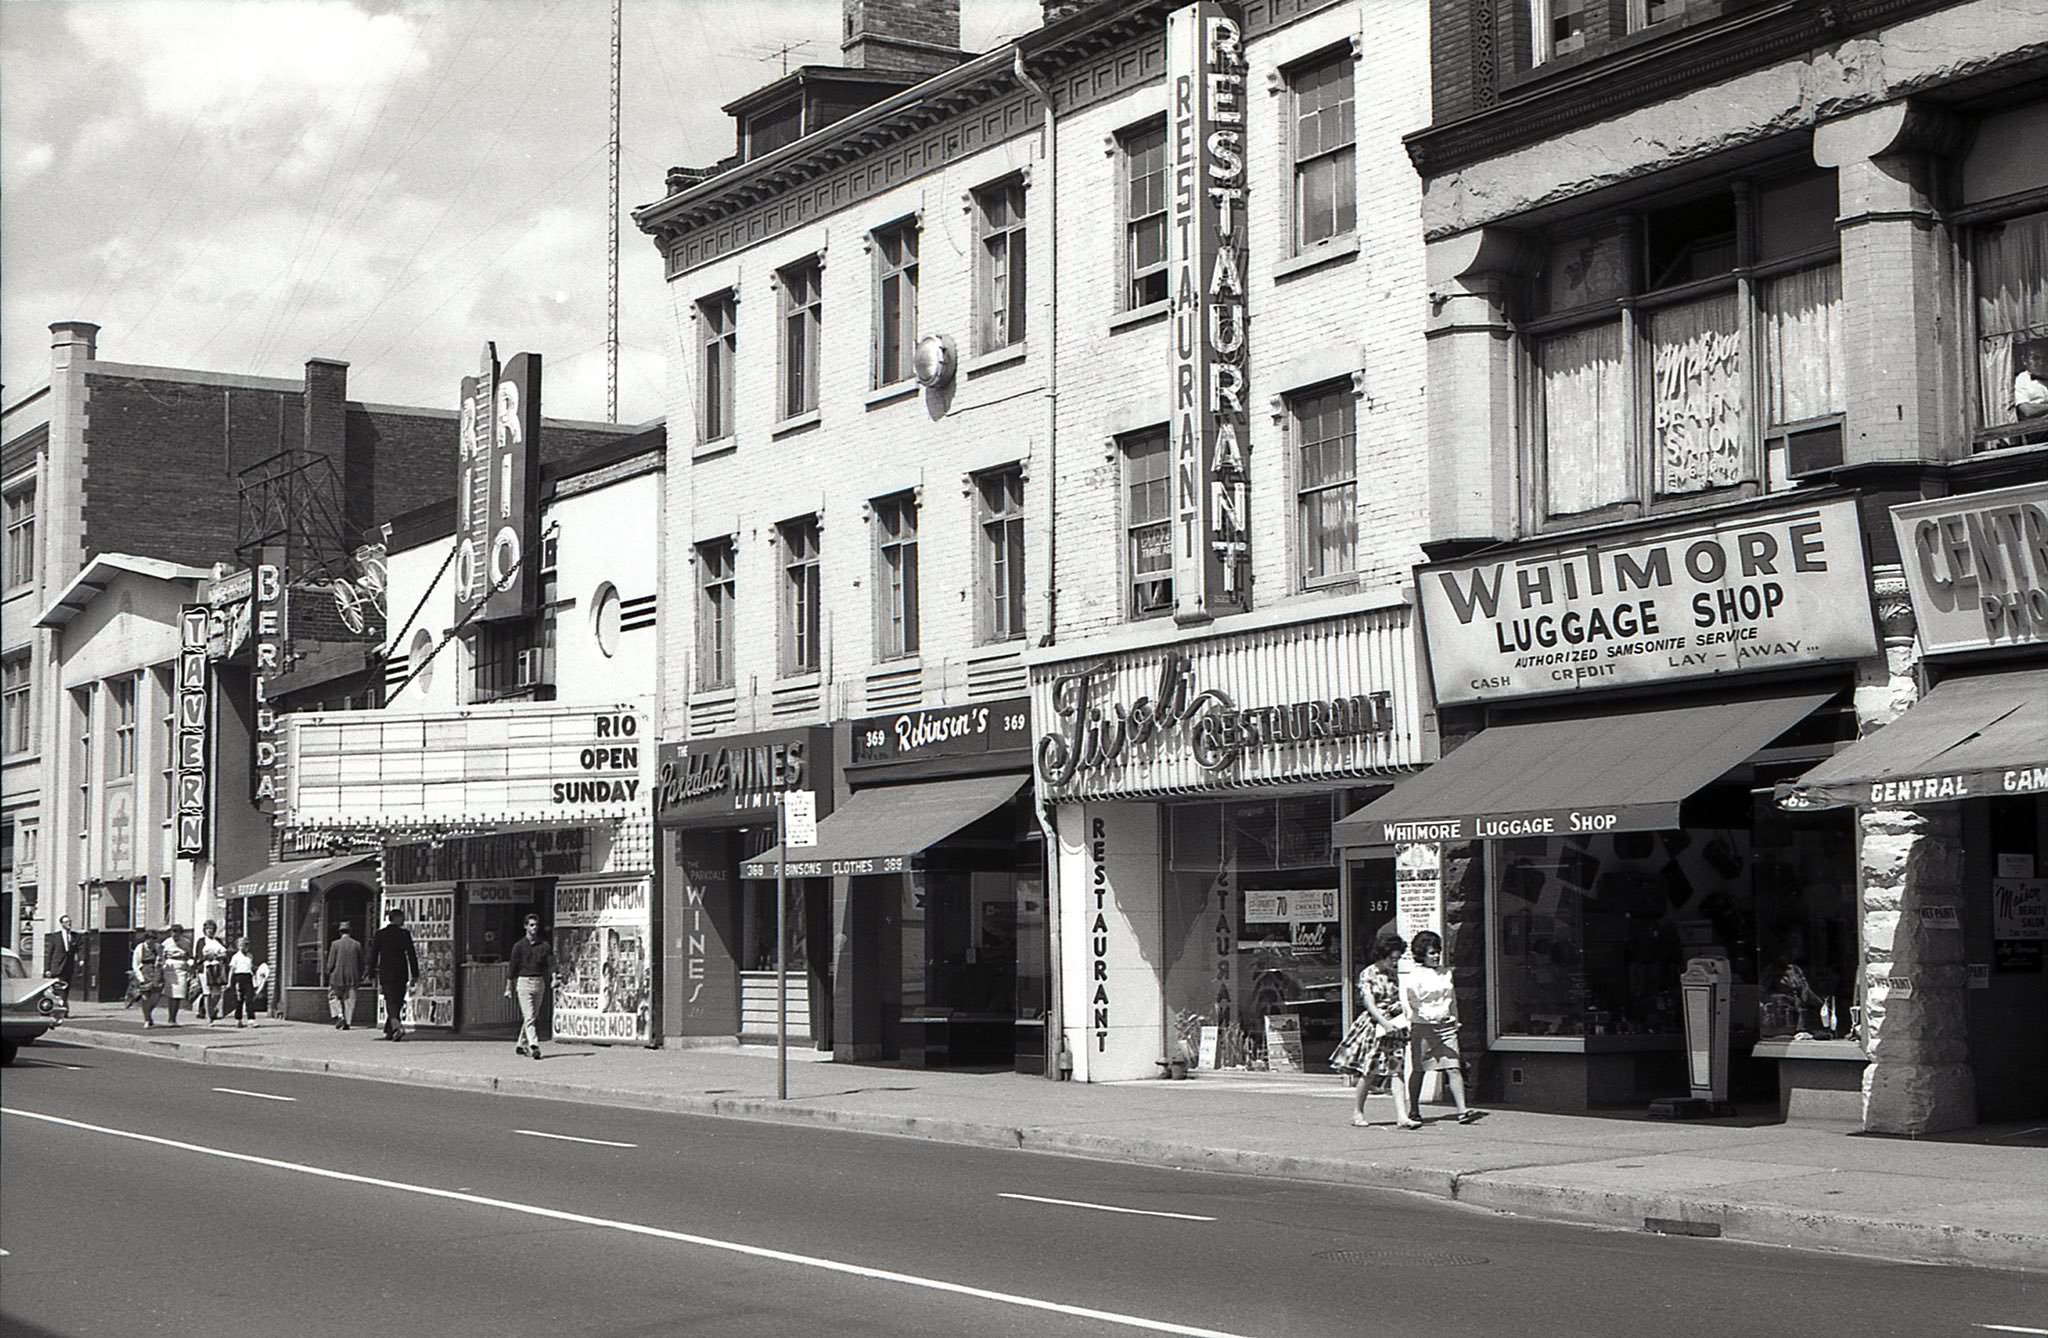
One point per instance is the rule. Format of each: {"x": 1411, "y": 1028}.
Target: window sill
{"x": 889, "y": 394}
{"x": 798, "y": 423}
{"x": 1006, "y": 356}
{"x": 1145, "y": 315}
{"x": 1322, "y": 253}
{"x": 714, "y": 695}
{"x": 900, "y": 663}
{"x": 997, "y": 649}
{"x": 725, "y": 445}
{"x": 1347, "y": 584}
{"x": 1787, "y": 1047}
{"x": 797, "y": 682}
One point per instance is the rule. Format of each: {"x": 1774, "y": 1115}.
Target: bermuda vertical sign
{"x": 193, "y": 718}
{"x": 1205, "y": 247}
{"x": 267, "y": 636}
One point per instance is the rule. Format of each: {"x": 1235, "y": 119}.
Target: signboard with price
{"x": 973, "y": 730}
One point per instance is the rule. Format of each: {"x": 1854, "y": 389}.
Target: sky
{"x": 237, "y": 186}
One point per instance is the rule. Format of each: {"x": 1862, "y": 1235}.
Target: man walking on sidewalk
{"x": 344, "y": 973}
{"x": 532, "y": 968}
{"x": 396, "y": 964}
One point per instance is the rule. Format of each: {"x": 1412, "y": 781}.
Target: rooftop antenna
{"x": 611, "y": 293}
{"x": 782, "y": 52}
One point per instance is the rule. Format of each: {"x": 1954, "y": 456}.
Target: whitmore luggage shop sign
{"x": 1712, "y": 595}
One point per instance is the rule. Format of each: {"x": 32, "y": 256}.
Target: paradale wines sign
{"x": 1205, "y": 249}
{"x": 707, "y": 780}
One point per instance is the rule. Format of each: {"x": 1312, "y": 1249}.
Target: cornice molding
{"x": 1655, "y": 71}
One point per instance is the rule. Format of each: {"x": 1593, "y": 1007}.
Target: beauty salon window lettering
{"x": 1092, "y": 737}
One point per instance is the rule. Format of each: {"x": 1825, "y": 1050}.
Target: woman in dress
{"x": 1377, "y": 1043}
{"x": 177, "y": 962}
{"x": 146, "y": 973}
{"x": 212, "y": 969}
{"x": 1432, "y": 1005}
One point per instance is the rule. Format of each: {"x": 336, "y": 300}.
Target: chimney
{"x": 73, "y": 342}
{"x": 915, "y": 36}
{"x": 326, "y": 421}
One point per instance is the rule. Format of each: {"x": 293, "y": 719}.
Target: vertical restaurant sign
{"x": 1977, "y": 567}
{"x": 498, "y": 491}
{"x": 194, "y": 629}
{"x": 602, "y": 931}
{"x": 1690, "y": 599}
{"x": 267, "y": 632}
{"x": 1205, "y": 249}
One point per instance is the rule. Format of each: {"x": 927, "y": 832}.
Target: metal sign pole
{"x": 782, "y": 947}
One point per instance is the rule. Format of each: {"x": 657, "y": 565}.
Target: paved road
{"x": 198, "y": 1198}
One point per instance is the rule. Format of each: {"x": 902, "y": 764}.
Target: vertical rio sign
{"x": 497, "y": 574}
{"x": 194, "y": 717}
{"x": 1205, "y": 79}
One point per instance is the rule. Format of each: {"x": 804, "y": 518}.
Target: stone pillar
{"x": 1919, "y": 1079}
{"x": 1471, "y": 386}
{"x": 1897, "y": 280}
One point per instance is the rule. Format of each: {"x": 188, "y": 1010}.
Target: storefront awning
{"x": 1970, "y": 738}
{"x": 295, "y": 875}
{"x": 880, "y": 830}
{"x": 1623, "y": 771}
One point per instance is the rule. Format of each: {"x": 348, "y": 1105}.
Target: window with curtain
{"x": 1148, "y": 524}
{"x": 1676, "y": 351}
{"x": 1002, "y": 553}
{"x": 1000, "y": 281}
{"x": 718, "y": 328}
{"x": 803, "y": 306}
{"x": 2009, "y": 276}
{"x": 1326, "y": 483}
{"x": 895, "y": 302}
{"x": 896, "y": 576}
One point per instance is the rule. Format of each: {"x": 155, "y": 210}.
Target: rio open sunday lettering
{"x": 617, "y": 749}
{"x": 1615, "y": 610}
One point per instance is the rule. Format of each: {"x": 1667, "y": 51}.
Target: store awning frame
{"x": 1983, "y": 736}
{"x": 881, "y": 830}
{"x": 1614, "y": 771}
{"x": 294, "y": 875}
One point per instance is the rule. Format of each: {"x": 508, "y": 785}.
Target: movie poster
{"x": 602, "y": 940}
{"x": 431, "y": 918}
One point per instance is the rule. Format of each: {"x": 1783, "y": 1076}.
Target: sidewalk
{"x": 1980, "y": 1200}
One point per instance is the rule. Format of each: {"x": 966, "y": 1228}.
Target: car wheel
{"x": 7, "y": 1049}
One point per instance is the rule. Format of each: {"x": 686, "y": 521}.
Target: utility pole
{"x": 611, "y": 247}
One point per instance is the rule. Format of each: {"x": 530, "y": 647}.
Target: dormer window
{"x": 773, "y": 127}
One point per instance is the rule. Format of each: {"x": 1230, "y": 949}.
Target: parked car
{"x": 29, "y": 1005}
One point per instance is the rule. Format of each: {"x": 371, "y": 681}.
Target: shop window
{"x": 21, "y": 535}
{"x": 803, "y": 311}
{"x": 1323, "y": 137}
{"x": 1144, "y": 215}
{"x": 2009, "y": 279}
{"x": 1806, "y": 945}
{"x": 1593, "y": 932}
{"x": 715, "y": 590}
{"x": 1325, "y": 428}
{"x": 1148, "y": 525}
{"x": 718, "y": 340}
{"x": 999, "y": 283}
{"x": 1643, "y": 343}
{"x": 896, "y": 612}
{"x": 1001, "y": 497}
{"x": 895, "y": 334}
{"x": 1252, "y": 922}
{"x": 800, "y": 596}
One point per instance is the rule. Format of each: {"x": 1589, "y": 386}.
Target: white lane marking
{"x": 1105, "y": 1207}
{"x": 567, "y": 1138}
{"x": 2007, "y": 1328}
{"x": 260, "y": 1096}
{"x": 639, "y": 1229}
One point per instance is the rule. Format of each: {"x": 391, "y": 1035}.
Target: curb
{"x": 1882, "y": 1238}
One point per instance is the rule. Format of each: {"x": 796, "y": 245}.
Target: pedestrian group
{"x": 1407, "y": 1027}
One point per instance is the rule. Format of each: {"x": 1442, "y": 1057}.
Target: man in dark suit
{"x": 61, "y": 952}
{"x": 396, "y": 964}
